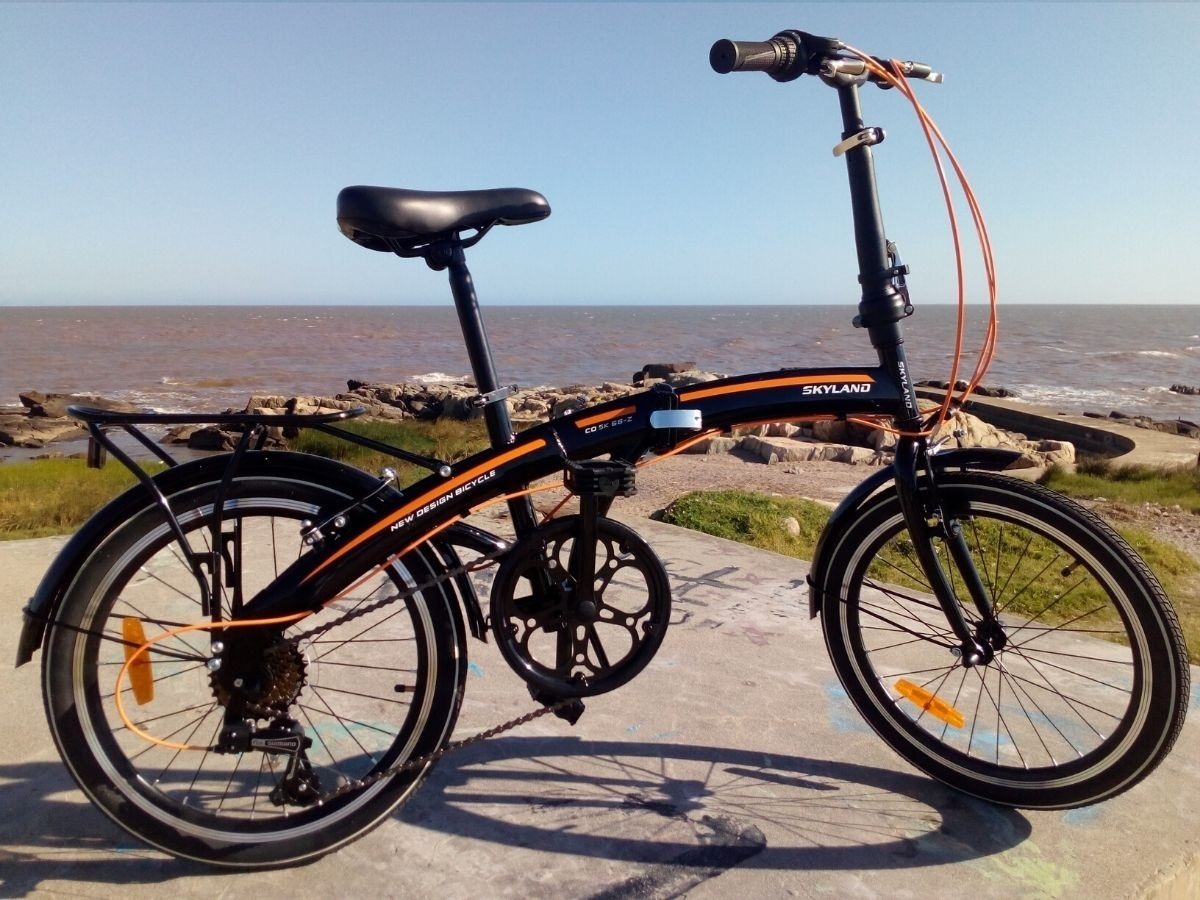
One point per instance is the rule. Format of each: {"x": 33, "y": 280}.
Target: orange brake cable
{"x": 934, "y": 138}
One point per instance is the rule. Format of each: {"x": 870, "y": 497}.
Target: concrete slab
{"x": 733, "y": 766}
{"x": 1125, "y": 443}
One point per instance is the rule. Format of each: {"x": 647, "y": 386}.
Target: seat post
{"x": 483, "y": 367}
{"x": 479, "y": 351}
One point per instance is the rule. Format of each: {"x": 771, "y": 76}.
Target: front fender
{"x": 983, "y": 459}
{"x": 54, "y": 585}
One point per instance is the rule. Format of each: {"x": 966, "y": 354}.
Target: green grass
{"x": 448, "y": 440}
{"x": 54, "y": 496}
{"x": 1095, "y": 477}
{"x": 751, "y": 518}
{"x": 45, "y": 497}
{"x": 758, "y": 520}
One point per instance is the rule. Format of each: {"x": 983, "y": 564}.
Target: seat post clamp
{"x": 479, "y": 401}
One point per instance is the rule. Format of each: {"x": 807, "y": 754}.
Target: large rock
{"x": 43, "y": 418}
{"x": 660, "y": 371}
{"x": 54, "y": 406}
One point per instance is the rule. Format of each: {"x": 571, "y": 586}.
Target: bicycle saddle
{"x": 387, "y": 219}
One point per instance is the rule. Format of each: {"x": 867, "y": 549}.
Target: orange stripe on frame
{"x": 439, "y": 491}
{"x": 793, "y": 381}
{"x": 603, "y": 417}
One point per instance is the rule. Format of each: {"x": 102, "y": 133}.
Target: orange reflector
{"x": 936, "y": 707}
{"x": 141, "y": 678}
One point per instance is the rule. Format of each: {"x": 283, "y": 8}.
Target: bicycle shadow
{"x": 683, "y": 813}
{"x": 50, "y": 833}
{"x": 610, "y": 799}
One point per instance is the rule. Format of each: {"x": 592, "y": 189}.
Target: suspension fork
{"x": 926, "y": 520}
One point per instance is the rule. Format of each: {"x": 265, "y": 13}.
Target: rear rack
{"x": 252, "y": 425}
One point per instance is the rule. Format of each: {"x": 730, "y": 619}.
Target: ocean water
{"x": 1074, "y": 358}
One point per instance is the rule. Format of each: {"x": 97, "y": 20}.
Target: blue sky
{"x": 192, "y": 153}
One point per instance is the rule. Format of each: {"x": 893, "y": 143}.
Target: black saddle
{"x": 395, "y": 220}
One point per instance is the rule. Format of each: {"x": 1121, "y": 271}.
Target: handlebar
{"x": 790, "y": 54}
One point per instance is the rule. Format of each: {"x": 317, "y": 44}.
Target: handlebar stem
{"x": 883, "y": 306}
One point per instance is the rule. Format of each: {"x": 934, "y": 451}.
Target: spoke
{"x": 1062, "y": 626}
{"x": 333, "y": 690}
{"x": 1018, "y": 688}
{"x": 351, "y": 665}
{"x": 918, "y": 578}
{"x": 193, "y": 725}
{"x": 1000, "y": 607}
{"x": 1071, "y": 702}
{"x": 932, "y": 631}
{"x": 947, "y": 669}
{"x": 207, "y": 706}
{"x": 901, "y": 599}
{"x": 345, "y": 722}
{"x": 975, "y": 715}
{"x": 1042, "y": 651}
{"x": 200, "y": 765}
{"x": 1034, "y": 663}
{"x": 190, "y": 652}
{"x": 369, "y": 627}
{"x": 154, "y": 653}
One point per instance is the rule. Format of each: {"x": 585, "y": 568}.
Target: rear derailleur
{"x": 299, "y": 785}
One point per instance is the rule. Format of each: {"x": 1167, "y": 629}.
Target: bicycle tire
{"x": 370, "y": 693}
{"x": 1089, "y": 689}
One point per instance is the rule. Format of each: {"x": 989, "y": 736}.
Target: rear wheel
{"x": 348, "y": 693}
{"x": 1087, "y": 686}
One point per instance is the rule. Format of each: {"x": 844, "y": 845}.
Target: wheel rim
{"x": 359, "y": 719}
{"x": 1066, "y": 692}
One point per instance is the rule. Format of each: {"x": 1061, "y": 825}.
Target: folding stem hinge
{"x": 481, "y": 400}
{"x": 868, "y": 137}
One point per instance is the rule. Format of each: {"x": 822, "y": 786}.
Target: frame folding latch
{"x": 868, "y": 137}
{"x": 688, "y": 419}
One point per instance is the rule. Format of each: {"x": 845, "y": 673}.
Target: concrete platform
{"x": 733, "y": 767}
{"x": 1125, "y": 444}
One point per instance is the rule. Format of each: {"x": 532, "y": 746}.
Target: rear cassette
{"x": 559, "y": 639}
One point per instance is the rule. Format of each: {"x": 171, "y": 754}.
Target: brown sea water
{"x": 210, "y": 358}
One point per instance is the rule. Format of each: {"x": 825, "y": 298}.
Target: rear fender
{"x": 44, "y": 604}
{"x": 982, "y": 459}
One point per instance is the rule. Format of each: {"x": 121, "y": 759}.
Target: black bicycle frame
{"x": 624, "y": 427}
{"x": 629, "y": 429}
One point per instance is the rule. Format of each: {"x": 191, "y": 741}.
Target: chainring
{"x": 566, "y": 646}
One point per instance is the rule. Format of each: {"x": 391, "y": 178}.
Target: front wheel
{"x": 1087, "y": 683}
{"x": 347, "y": 694}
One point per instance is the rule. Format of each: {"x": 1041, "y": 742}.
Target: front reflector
{"x": 931, "y": 703}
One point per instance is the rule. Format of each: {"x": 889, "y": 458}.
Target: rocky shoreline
{"x": 41, "y": 421}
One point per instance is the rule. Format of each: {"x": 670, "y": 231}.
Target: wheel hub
{"x": 259, "y": 682}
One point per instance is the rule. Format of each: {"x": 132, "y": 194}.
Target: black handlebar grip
{"x": 736, "y": 56}
{"x": 782, "y": 57}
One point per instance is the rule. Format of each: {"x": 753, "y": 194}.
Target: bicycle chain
{"x": 360, "y": 784}
{"x": 420, "y": 762}
{"x": 482, "y": 562}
